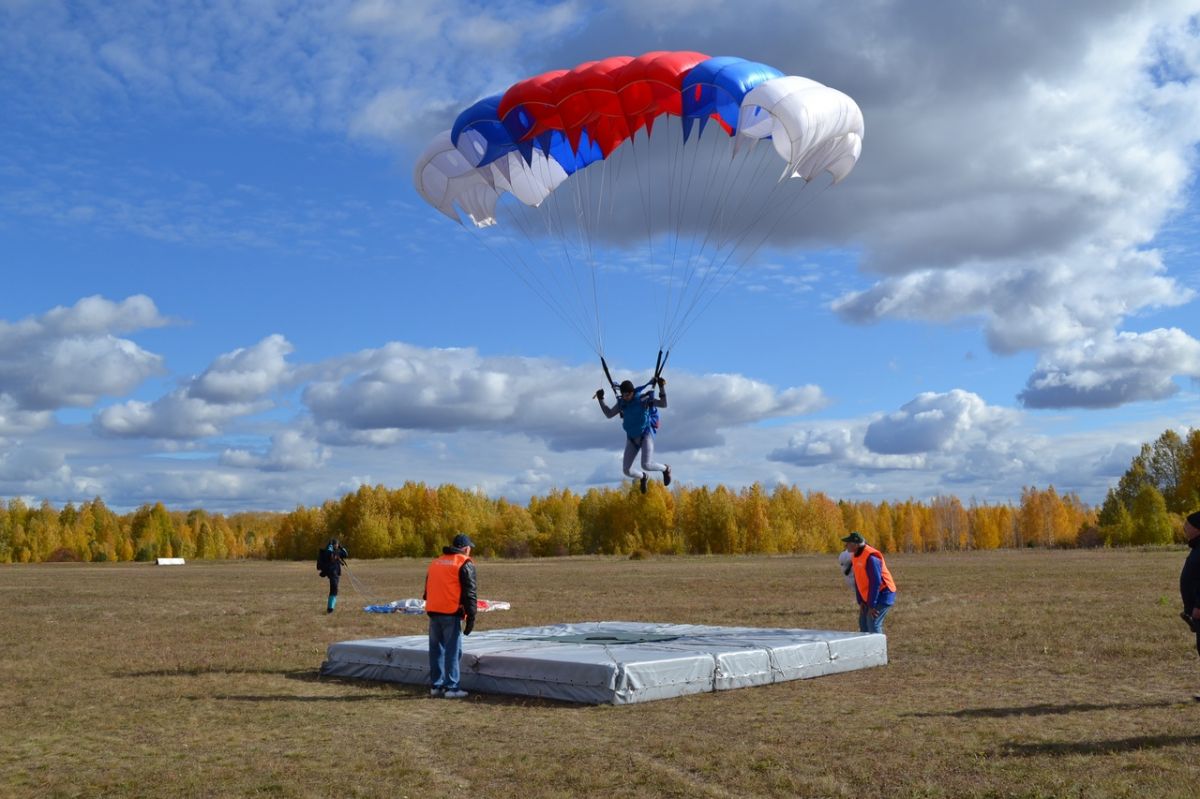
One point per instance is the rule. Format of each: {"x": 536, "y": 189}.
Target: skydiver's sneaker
{"x": 667, "y": 476}
{"x": 437, "y": 692}
{"x": 457, "y": 693}
{"x": 643, "y": 484}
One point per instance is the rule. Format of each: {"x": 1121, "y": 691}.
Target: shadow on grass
{"x": 400, "y": 691}
{"x": 304, "y": 675}
{"x": 1041, "y": 710}
{"x": 408, "y": 691}
{"x": 397, "y": 696}
{"x": 376, "y": 697}
{"x": 393, "y": 692}
{"x": 1059, "y": 749}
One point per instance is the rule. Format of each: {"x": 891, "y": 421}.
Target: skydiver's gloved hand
{"x": 469, "y": 626}
{"x": 599, "y": 394}
{"x": 662, "y": 382}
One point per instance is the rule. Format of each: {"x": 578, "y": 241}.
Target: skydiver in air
{"x": 638, "y": 420}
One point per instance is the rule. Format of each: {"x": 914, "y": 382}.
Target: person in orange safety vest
{"x": 450, "y": 595}
{"x": 873, "y": 583}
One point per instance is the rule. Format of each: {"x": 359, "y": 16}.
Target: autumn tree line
{"x": 1146, "y": 507}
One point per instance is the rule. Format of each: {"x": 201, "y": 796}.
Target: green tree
{"x": 1165, "y": 467}
{"x": 1151, "y": 522}
{"x": 1189, "y": 479}
{"x": 1135, "y": 478}
{"x": 1120, "y": 532}
{"x": 6, "y": 547}
{"x": 152, "y": 530}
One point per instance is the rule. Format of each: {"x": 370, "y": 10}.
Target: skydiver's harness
{"x": 652, "y": 420}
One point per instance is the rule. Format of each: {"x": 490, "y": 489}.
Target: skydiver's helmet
{"x": 626, "y": 386}
{"x": 333, "y": 543}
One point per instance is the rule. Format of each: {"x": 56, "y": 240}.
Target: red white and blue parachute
{"x": 577, "y": 163}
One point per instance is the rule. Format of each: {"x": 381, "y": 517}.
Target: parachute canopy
{"x": 598, "y": 134}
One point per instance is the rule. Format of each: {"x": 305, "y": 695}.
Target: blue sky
{"x": 220, "y": 288}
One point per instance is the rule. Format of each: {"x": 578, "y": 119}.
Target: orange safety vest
{"x": 861, "y": 580}
{"x": 443, "y": 591}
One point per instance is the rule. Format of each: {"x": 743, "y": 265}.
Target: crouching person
{"x": 873, "y": 584}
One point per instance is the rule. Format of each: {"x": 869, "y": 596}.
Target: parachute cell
{"x": 445, "y": 179}
{"x": 715, "y": 88}
{"x": 812, "y": 126}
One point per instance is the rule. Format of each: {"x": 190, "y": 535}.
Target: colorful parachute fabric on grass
{"x": 414, "y": 606}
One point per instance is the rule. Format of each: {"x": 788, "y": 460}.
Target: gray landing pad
{"x": 615, "y": 662}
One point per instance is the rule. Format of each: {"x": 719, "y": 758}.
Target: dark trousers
{"x": 333, "y": 583}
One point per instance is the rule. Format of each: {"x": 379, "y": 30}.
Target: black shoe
{"x": 667, "y": 476}
{"x": 1189, "y": 621}
{"x": 329, "y": 610}
{"x": 643, "y": 484}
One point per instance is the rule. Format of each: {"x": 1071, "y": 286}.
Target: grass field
{"x": 1014, "y": 673}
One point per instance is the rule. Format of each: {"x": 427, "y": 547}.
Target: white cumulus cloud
{"x": 70, "y": 357}
{"x": 1111, "y": 370}
{"x": 403, "y": 387}
{"x": 934, "y": 422}
{"x": 236, "y": 384}
{"x": 244, "y": 374}
{"x": 290, "y": 450}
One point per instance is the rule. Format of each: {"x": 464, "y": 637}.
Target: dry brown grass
{"x": 1012, "y": 674}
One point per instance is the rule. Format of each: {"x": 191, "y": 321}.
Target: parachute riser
{"x": 660, "y": 364}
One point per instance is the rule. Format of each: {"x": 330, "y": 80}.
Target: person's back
{"x": 329, "y": 561}
{"x": 450, "y": 595}
{"x": 635, "y": 416}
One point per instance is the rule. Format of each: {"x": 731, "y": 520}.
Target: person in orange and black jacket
{"x": 450, "y": 595}
{"x": 1189, "y": 578}
{"x": 873, "y": 583}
